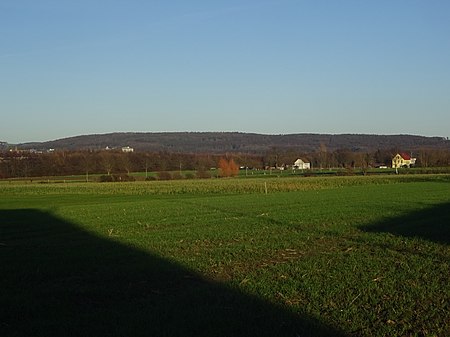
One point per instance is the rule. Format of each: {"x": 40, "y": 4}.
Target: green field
{"x": 296, "y": 256}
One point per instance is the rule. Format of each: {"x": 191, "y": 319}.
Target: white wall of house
{"x": 301, "y": 165}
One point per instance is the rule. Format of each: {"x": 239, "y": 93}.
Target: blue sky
{"x": 88, "y": 66}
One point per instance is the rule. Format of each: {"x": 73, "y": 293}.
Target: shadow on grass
{"x": 60, "y": 280}
{"x": 431, "y": 224}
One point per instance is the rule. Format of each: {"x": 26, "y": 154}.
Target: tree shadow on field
{"x": 431, "y": 224}
{"x": 60, "y": 280}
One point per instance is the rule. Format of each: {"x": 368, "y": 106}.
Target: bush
{"x": 123, "y": 177}
{"x": 105, "y": 179}
{"x": 309, "y": 173}
{"x": 116, "y": 178}
{"x": 202, "y": 174}
{"x": 177, "y": 175}
{"x": 164, "y": 175}
{"x": 228, "y": 168}
{"x": 189, "y": 175}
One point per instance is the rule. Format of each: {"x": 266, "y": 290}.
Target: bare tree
{"x": 107, "y": 160}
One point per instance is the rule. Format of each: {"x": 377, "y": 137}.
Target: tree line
{"x": 28, "y": 164}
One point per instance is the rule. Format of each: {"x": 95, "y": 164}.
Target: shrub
{"x": 105, "y": 179}
{"x": 123, "y": 177}
{"x": 228, "y": 168}
{"x": 164, "y": 175}
{"x": 189, "y": 175}
{"x": 177, "y": 175}
{"x": 116, "y": 178}
{"x": 202, "y": 174}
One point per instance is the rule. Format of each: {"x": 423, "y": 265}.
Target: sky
{"x": 80, "y": 67}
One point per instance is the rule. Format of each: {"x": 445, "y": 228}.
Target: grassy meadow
{"x": 293, "y": 256}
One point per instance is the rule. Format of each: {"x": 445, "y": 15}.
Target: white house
{"x": 301, "y": 165}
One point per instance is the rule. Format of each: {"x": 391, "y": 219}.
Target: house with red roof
{"x": 403, "y": 160}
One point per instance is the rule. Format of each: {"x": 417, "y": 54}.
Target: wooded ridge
{"x": 237, "y": 142}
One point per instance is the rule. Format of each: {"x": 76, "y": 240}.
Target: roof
{"x": 405, "y": 156}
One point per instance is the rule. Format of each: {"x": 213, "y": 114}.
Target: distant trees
{"x": 322, "y": 156}
{"x": 31, "y": 164}
{"x": 432, "y": 158}
{"x": 383, "y": 157}
{"x": 344, "y": 158}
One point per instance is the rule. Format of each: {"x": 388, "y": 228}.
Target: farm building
{"x": 403, "y": 160}
{"x": 127, "y": 149}
{"x": 302, "y": 165}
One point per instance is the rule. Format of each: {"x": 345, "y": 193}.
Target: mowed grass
{"x": 337, "y": 256}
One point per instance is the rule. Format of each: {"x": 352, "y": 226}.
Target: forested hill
{"x": 221, "y": 142}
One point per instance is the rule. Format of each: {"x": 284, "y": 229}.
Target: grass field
{"x": 316, "y": 256}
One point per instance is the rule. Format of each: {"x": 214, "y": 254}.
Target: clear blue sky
{"x": 89, "y": 66}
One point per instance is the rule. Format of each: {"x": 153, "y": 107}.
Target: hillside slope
{"x": 220, "y": 142}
